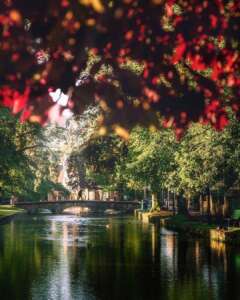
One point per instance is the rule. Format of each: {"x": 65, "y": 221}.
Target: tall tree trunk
{"x": 182, "y": 205}
{"x": 201, "y": 209}
{"x": 168, "y": 199}
{"x": 212, "y": 206}
{"x": 188, "y": 199}
{"x": 162, "y": 195}
{"x": 144, "y": 193}
{"x": 226, "y": 207}
{"x": 209, "y": 217}
{"x": 154, "y": 201}
{"x": 174, "y": 203}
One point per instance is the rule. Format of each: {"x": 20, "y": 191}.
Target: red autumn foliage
{"x": 189, "y": 50}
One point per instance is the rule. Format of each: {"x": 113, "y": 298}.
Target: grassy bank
{"x": 8, "y": 210}
{"x": 187, "y": 226}
{"x": 191, "y": 227}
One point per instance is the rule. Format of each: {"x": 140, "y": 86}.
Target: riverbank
{"x": 7, "y": 212}
{"x": 152, "y": 217}
{"x": 190, "y": 227}
{"x": 210, "y": 232}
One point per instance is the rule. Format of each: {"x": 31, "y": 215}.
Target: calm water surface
{"x": 67, "y": 257}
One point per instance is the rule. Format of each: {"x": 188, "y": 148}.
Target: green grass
{"x": 192, "y": 228}
{"x": 8, "y": 210}
{"x": 236, "y": 214}
{"x": 181, "y": 222}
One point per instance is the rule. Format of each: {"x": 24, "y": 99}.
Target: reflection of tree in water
{"x": 16, "y": 255}
{"x": 65, "y": 258}
{"x": 181, "y": 267}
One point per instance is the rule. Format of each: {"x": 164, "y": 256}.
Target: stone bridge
{"x": 58, "y": 207}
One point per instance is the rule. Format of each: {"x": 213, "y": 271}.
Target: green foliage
{"x": 196, "y": 160}
{"x": 149, "y": 159}
{"x": 76, "y": 171}
{"x": 47, "y": 186}
{"x": 203, "y": 160}
{"x": 8, "y": 210}
{"x": 15, "y": 173}
{"x": 103, "y": 157}
{"x": 25, "y": 161}
{"x": 206, "y": 160}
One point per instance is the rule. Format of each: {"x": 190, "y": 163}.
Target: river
{"x": 66, "y": 257}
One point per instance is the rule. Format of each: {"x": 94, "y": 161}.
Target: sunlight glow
{"x": 59, "y": 97}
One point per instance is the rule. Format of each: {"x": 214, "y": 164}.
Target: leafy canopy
{"x": 179, "y": 58}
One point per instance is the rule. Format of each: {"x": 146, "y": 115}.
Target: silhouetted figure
{"x": 80, "y": 195}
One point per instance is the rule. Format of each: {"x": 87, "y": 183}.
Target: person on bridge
{"x": 80, "y": 195}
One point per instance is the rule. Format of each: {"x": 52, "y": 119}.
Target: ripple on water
{"x": 71, "y": 230}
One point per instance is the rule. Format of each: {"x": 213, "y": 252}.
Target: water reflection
{"x": 68, "y": 257}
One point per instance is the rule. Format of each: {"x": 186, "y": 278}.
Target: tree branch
{"x": 32, "y": 147}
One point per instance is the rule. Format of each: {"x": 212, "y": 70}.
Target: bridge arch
{"x": 76, "y": 209}
{"x": 57, "y": 207}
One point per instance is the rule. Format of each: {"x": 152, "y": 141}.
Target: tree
{"x": 149, "y": 160}
{"x": 228, "y": 166}
{"x": 206, "y": 163}
{"x": 187, "y": 49}
{"x": 197, "y": 160}
{"x": 66, "y": 144}
{"x": 15, "y": 172}
{"x": 103, "y": 156}
{"x": 25, "y": 160}
{"x": 76, "y": 171}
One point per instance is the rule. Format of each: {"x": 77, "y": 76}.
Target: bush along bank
{"x": 192, "y": 228}
{"x": 7, "y": 212}
{"x": 210, "y": 232}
